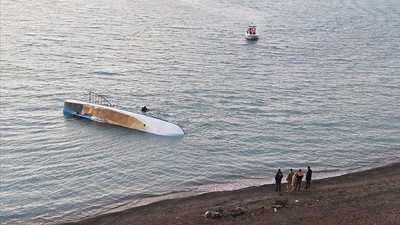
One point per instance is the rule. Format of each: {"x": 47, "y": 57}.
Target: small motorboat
{"x": 251, "y": 33}
{"x": 96, "y": 107}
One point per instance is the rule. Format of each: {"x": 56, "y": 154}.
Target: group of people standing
{"x": 293, "y": 180}
{"x": 251, "y": 31}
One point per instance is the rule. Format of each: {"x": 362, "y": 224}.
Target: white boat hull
{"x": 106, "y": 114}
{"x": 251, "y": 36}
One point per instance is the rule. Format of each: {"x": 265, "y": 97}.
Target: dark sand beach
{"x": 367, "y": 197}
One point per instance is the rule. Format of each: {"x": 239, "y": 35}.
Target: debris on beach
{"x": 282, "y": 202}
{"x": 230, "y": 213}
{"x": 297, "y": 201}
{"x": 236, "y": 212}
{"x": 279, "y": 203}
{"x": 212, "y": 214}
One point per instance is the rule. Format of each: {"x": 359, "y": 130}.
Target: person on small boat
{"x": 144, "y": 109}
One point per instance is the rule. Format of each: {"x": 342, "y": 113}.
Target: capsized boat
{"x": 251, "y": 33}
{"x": 98, "y": 108}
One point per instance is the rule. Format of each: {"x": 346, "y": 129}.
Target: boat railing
{"x": 93, "y": 97}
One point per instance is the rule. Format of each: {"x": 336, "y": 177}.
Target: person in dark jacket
{"x": 299, "y": 178}
{"x": 144, "y": 109}
{"x": 308, "y": 177}
{"x": 278, "y": 179}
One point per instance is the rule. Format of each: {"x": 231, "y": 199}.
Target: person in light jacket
{"x": 289, "y": 180}
{"x": 293, "y": 183}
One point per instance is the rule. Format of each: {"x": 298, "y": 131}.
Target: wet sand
{"x": 367, "y": 197}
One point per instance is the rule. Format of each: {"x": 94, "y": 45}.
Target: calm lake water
{"x": 321, "y": 87}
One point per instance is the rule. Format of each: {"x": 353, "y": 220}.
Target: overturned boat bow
{"x": 99, "y": 109}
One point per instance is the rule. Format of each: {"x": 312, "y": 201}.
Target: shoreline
{"x": 365, "y": 197}
{"x": 234, "y": 185}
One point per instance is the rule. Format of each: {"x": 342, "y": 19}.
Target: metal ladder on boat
{"x": 93, "y": 97}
